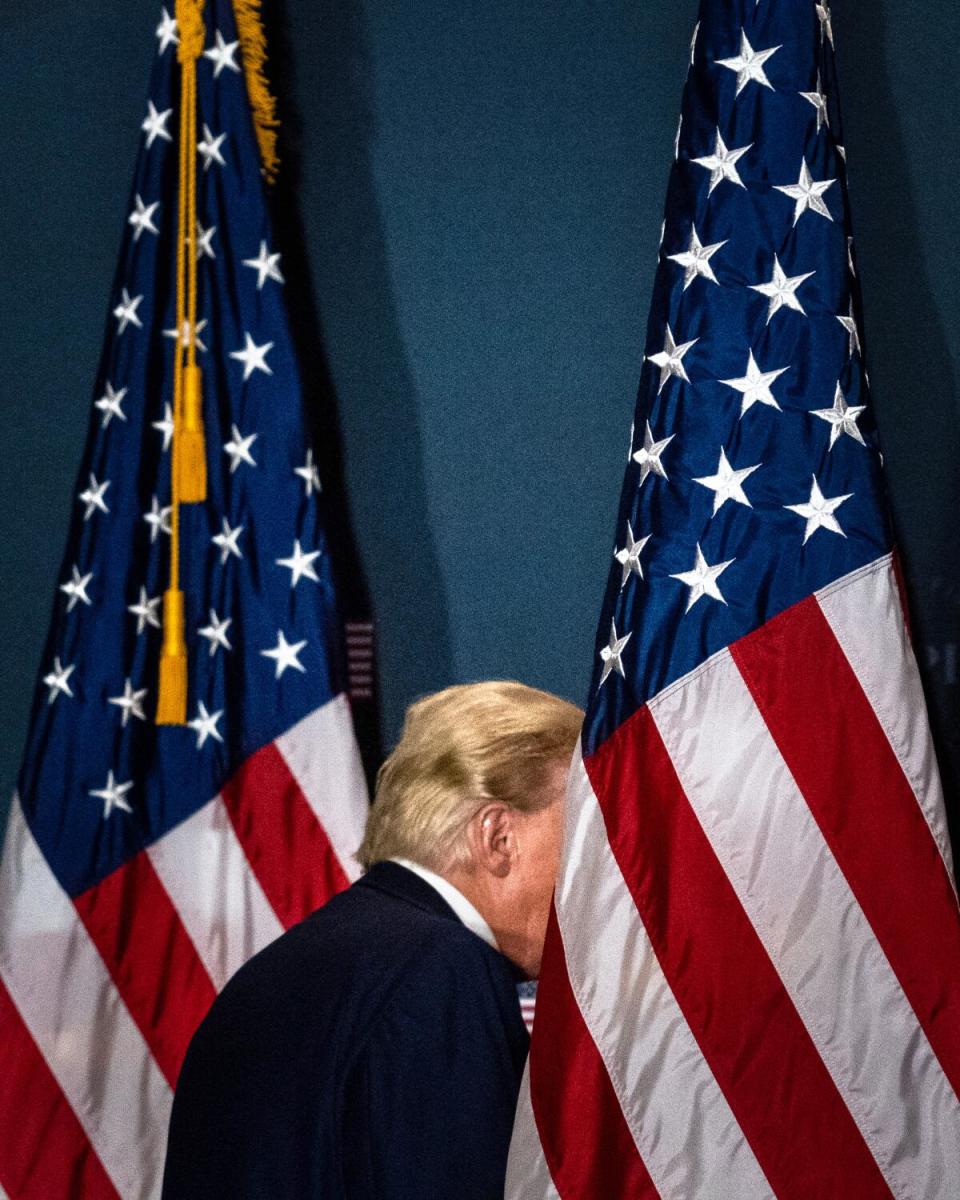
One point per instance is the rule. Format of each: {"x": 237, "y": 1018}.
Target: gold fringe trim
{"x": 253, "y": 46}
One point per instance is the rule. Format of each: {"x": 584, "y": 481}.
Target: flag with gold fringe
{"x": 191, "y": 785}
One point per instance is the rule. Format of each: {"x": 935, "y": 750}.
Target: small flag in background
{"x": 144, "y": 863}
{"x": 751, "y": 986}
{"x": 527, "y": 992}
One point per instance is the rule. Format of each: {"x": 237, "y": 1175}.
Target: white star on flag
{"x": 110, "y": 404}
{"x": 849, "y": 323}
{"x": 670, "y": 359}
{"x": 748, "y": 64}
{"x": 266, "y": 266}
{"x": 253, "y": 357}
{"x": 696, "y": 259}
{"x": 166, "y": 425}
{"x": 842, "y": 418}
{"x": 807, "y": 193}
{"x": 648, "y": 456}
{"x": 818, "y": 512}
{"x": 155, "y": 124}
{"x": 158, "y": 519}
{"x": 92, "y": 497}
{"x": 611, "y": 655}
{"x": 76, "y": 589}
{"x": 727, "y": 483}
{"x": 113, "y": 795}
{"x": 205, "y": 241}
{"x": 126, "y": 311}
{"x": 755, "y": 385}
{"x": 722, "y": 163}
{"x": 222, "y": 55}
{"x": 185, "y": 334}
{"x": 216, "y": 632}
{"x": 146, "y": 610}
{"x": 300, "y": 565}
{"x": 204, "y": 724}
{"x": 167, "y": 31}
{"x": 310, "y": 475}
{"x": 702, "y": 579}
{"x": 629, "y": 556}
{"x": 227, "y": 541}
{"x": 56, "y": 681}
{"x": 826, "y": 22}
{"x": 130, "y": 703}
{"x": 142, "y": 217}
{"x": 782, "y": 290}
{"x": 819, "y": 102}
{"x": 209, "y": 149}
{"x": 285, "y": 654}
{"x": 238, "y": 448}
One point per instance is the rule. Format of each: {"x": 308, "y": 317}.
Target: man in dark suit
{"x": 376, "y": 1049}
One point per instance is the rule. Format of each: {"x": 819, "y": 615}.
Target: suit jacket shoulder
{"x": 326, "y": 1030}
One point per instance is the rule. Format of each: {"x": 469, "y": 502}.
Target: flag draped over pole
{"x": 144, "y": 863}
{"x": 751, "y": 986}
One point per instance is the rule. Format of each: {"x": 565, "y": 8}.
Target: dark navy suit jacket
{"x": 375, "y": 1050}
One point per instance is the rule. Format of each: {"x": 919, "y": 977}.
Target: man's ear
{"x": 493, "y": 839}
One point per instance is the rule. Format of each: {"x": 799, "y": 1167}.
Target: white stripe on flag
{"x": 213, "y": 888}
{"x": 650, "y": 1053}
{"x": 321, "y": 752}
{"x": 75, "y": 1015}
{"x": 811, "y": 926}
{"x": 881, "y": 657}
{"x": 528, "y": 1176}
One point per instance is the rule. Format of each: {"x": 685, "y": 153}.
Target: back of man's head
{"x": 460, "y": 750}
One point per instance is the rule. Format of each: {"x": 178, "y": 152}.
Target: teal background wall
{"x": 470, "y": 213}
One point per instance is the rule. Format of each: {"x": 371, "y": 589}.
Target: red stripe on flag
{"x": 44, "y": 1151}
{"x": 284, "y": 842}
{"x": 850, "y": 777}
{"x": 151, "y": 959}
{"x": 586, "y": 1142}
{"x": 751, "y": 1036}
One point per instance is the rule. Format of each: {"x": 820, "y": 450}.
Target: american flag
{"x": 751, "y": 986}
{"x": 528, "y": 1003}
{"x": 143, "y": 865}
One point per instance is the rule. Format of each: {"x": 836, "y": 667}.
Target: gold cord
{"x": 187, "y": 427}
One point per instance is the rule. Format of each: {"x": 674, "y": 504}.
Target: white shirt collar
{"x": 455, "y": 898}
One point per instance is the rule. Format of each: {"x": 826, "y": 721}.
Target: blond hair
{"x": 460, "y": 749}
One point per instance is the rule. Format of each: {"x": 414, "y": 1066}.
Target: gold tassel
{"x": 253, "y": 47}
{"x": 192, "y": 451}
{"x": 172, "y": 692}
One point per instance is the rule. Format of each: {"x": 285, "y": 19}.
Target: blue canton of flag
{"x": 144, "y": 864}
{"x": 750, "y": 980}
{"x": 754, "y": 474}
